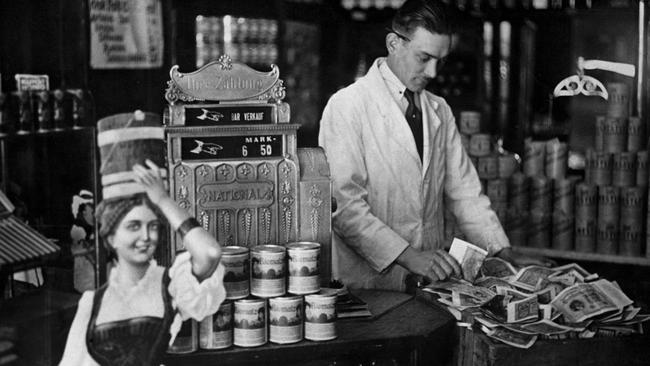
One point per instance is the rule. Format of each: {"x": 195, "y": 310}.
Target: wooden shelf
{"x": 580, "y": 256}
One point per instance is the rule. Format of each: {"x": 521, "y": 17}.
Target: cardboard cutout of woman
{"x": 133, "y": 318}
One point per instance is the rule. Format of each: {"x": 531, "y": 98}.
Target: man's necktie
{"x": 414, "y": 118}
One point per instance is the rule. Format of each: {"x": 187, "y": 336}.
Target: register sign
{"x": 231, "y": 147}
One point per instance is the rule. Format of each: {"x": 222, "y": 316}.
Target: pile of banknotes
{"x": 519, "y": 306}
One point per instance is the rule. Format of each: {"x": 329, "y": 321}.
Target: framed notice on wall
{"x": 126, "y": 34}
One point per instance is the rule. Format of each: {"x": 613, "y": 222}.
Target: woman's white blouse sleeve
{"x": 192, "y": 298}
{"x": 76, "y": 353}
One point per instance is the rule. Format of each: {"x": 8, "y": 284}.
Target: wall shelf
{"x": 580, "y": 256}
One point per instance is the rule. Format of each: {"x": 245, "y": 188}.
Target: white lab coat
{"x": 387, "y": 198}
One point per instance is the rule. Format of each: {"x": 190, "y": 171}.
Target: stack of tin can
{"x": 617, "y": 174}
{"x": 494, "y": 166}
{"x": 542, "y": 208}
{"x": 273, "y": 294}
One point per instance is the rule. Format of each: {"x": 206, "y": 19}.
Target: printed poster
{"x": 126, "y": 34}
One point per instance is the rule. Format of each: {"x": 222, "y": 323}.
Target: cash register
{"x": 234, "y": 161}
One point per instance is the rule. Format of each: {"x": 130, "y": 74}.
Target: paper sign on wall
{"x": 126, "y": 34}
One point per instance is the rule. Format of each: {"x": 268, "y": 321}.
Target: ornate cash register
{"x": 234, "y": 161}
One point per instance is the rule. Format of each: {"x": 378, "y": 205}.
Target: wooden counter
{"x": 413, "y": 333}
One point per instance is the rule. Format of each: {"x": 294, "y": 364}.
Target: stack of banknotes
{"x": 519, "y": 306}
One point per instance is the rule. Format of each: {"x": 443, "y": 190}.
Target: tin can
{"x": 215, "y": 331}
{"x": 303, "y": 260}
{"x": 470, "y": 122}
{"x": 268, "y": 277}
{"x": 618, "y": 103}
{"x": 519, "y": 192}
{"x": 600, "y": 168}
{"x": 541, "y": 194}
{"x": 534, "y": 157}
{"x": 488, "y": 167}
{"x": 600, "y": 133}
{"x": 642, "y": 168}
{"x": 516, "y": 227}
{"x": 635, "y": 134}
{"x": 630, "y": 239}
{"x": 285, "y": 319}
{"x": 607, "y": 237}
{"x": 615, "y": 134}
{"x": 508, "y": 165}
{"x": 320, "y": 316}
{"x": 562, "y": 231}
{"x": 556, "y": 159}
{"x": 480, "y": 144}
{"x": 497, "y": 190}
{"x": 586, "y": 202}
{"x": 585, "y": 235}
{"x": 624, "y": 172}
{"x": 539, "y": 229}
{"x": 608, "y": 204}
{"x": 237, "y": 265}
{"x": 250, "y": 322}
{"x": 187, "y": 339}
{"x": 563, "y": 196}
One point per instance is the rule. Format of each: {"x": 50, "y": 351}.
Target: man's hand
{"x": 522, "y": 260}
{"x": 436, "y": 265}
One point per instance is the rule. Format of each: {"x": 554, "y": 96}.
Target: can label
{"x": 285, "y": 319}
{"x": 615, "y": 134}
{"x": 470, "y": 122}
{"x": 608, "y": 204}
{"x": 585, "y": 239}
{"x": 237, "y": 266}
{"x": 268, "y": 271}
{"x": 480, "y": 144}
{"x": 541, "y": 194}
{"x": 488, "y": 167}
{"x": 320, "y": 317}
{"x": 600, "y": 133}
{"x": 642, "y": 169}
{"x": 250, "y": 322}
{"x": 619, "y": 100}
{"x": 624, "y": 174}
{"x": 303, "y": 260}
{"x": 187, "y": 338}
{"x": 215, "y": 331}
{"x": 534, "y": 157}
{"x": 508, "y": 165}
{"x": 635, "y": 134}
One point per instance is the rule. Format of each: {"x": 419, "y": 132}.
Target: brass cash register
{"x": 234, "y": 162}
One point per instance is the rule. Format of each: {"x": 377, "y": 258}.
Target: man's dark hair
{"x": 432, "y": 15}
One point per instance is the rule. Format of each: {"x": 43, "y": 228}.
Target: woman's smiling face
{"x": 136, "y": 236}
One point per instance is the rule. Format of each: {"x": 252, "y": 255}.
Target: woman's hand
{"x": 151, "y": 180}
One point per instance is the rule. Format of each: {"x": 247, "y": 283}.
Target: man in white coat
{"x": 391, "y": 173}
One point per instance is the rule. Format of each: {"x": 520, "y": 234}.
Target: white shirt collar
{"x": 395, "y": 86}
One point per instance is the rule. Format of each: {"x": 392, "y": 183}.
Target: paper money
{"x": 546, "y": 295}
{"x": 497, "y": 267}
{"x": 480, "y": 293}
{"x": 529, "y": 278}
{"x": 515, "y": 339}
{"x": 573, "y": 267}
{"x": 466, "y": 301}
{"x": 546, "y": 326}
{"x": 523, "y": 310}
{"x": 585, "y": 300}
{"x": 492, "y": 283}
{"x": 469, "y": 256}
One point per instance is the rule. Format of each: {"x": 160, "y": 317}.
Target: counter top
{"x": 413, "y": 330}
